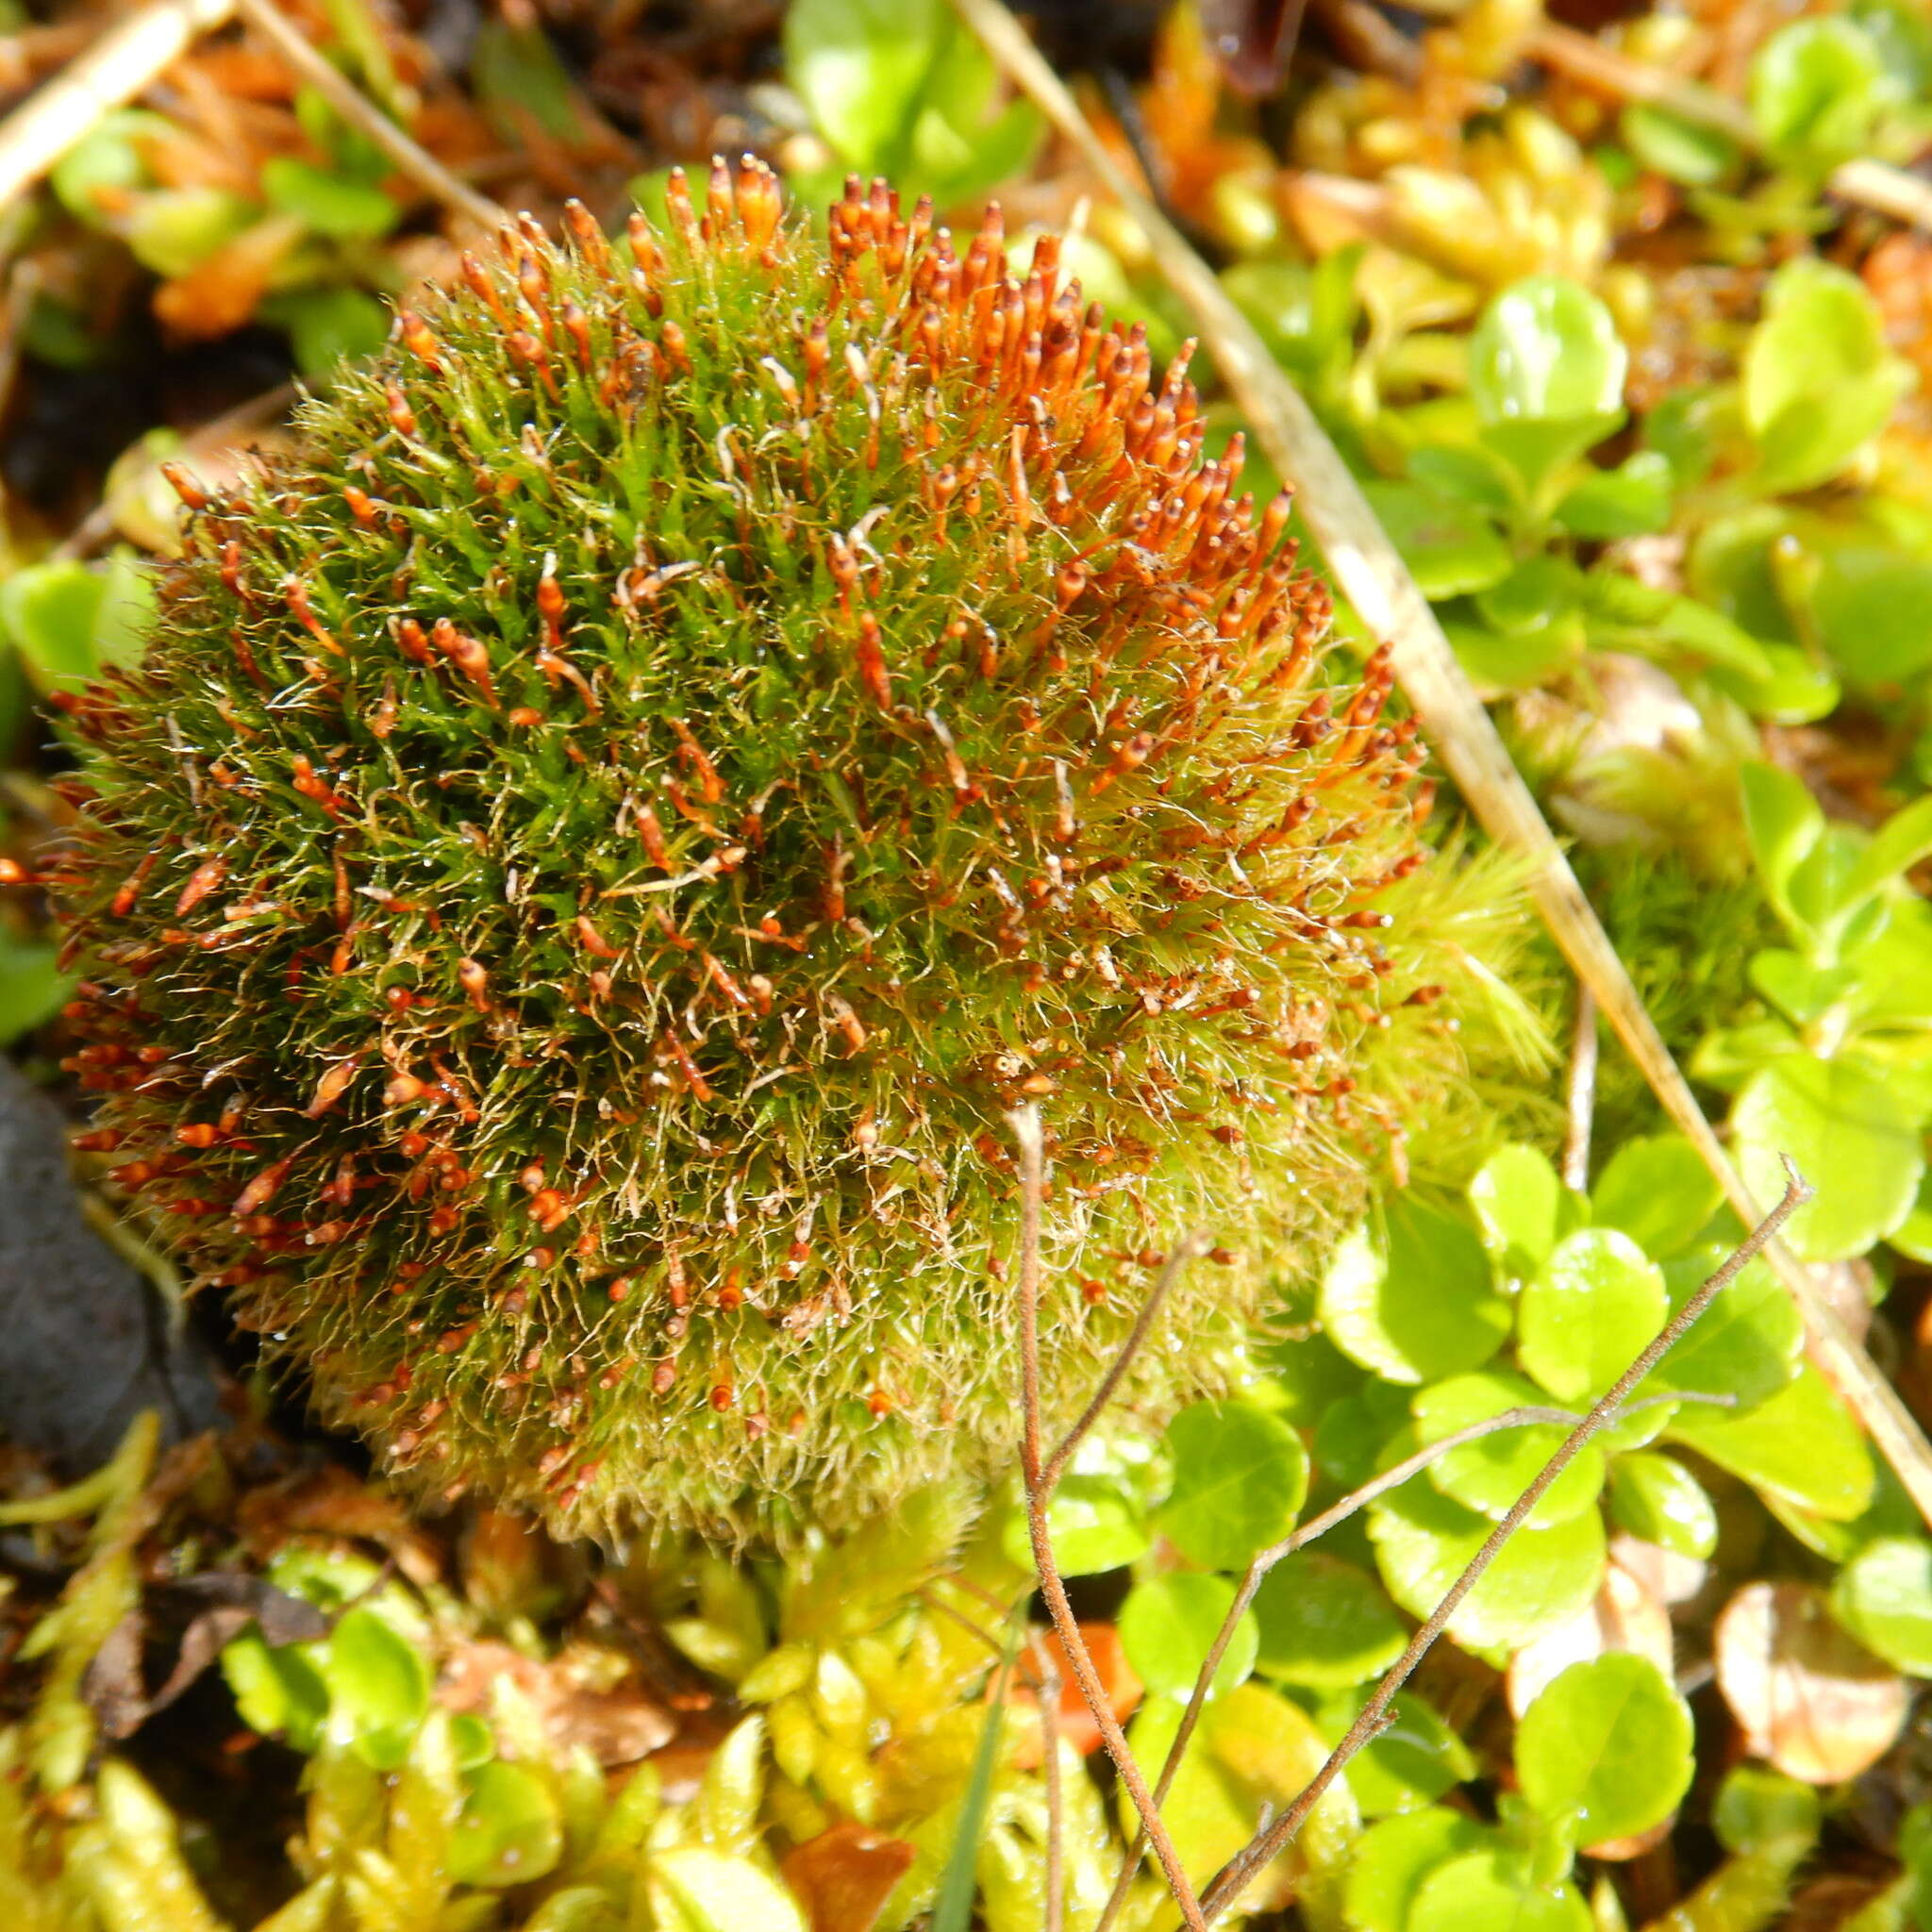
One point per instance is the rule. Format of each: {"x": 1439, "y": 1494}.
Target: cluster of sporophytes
{"x": 611, "y": 826}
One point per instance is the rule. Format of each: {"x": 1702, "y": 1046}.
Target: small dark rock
{"x": 85, "y": 1344}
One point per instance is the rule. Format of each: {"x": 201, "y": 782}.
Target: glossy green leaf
{"x": 1801, "y": 1445}
{"x": 1469, "y": 475}
{"x": 1545, "y": 351}
{"x": 1420, "y": 1304}
{"x": 172, "y": 230}
{"x": 1206, "y": 1814}
{"x": 1412, "y": 1763}
{"x": 1168, "y": 1624}
{"x": 32, "y": 986}
{"x": 1783, "y": 822}
{"x": 1589, "y": 1313}
{"x": 509, "y": 1830}
{"x": 378, "y": 1685}
{"x": 1496, "y": 1891}
{"x": 1816, "y": 89}
{"x": 1679, "y": 149}
{"x": 68, "y": 621}
{"x": 1489, "y": 1475}
{"x": 1655, "y": 1499}
{"x": 900, "y": 88}
{"x": 1850, "y": 1137}
{"x": 278, "y": 1689}
{"x": 1883, "y": 1596}
{"x": 1540, "y": 596}
{"x": 339, "y": 209}
{"x": 1239, "y": 1476}
{"x": 1657, "y": 1189}
{"x": 1757, "y": 1807}
{"x": 1632, "y": 500}
{"x": 1819, "y": 381}
{"x": 328, "y": 326}
{"x": 1424, "y": 1542}
{"x": 1607, "y": 1744}
{"x": 1451, "y": 548}
{"x": 1521, "y": 1206}
{"x": 1396, "y": 1857}
{"x": 1746, "y": 1345}
{"x": 1325, "y": 1623}
{"x": 1094, "y": 1524}
{"x": 1869, "y": 607}
{"x": 1353, "y": 1436}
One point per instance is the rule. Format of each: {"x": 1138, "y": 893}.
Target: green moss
{"x": 611, "y": 824}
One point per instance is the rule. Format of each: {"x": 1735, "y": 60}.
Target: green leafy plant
{"x": 906, "y": 92}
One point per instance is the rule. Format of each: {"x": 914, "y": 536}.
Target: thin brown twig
{"x": 341, "y": 93}
{"x": 1372, "y": 576}
{"x": 1190, "y": 1247}
{"x": 1303, "y": 1534}
{"x": 934, "y": 1602}
{"x": 1047, "y": 1692}
{"x": 1228, "y": 1883}
{"x": 1579, "y": 1097}
{"x": 126, "y": 59}
{"x": 1025, "y": 1122}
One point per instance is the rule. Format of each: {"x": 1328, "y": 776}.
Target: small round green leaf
{"x": 1168, "y": 1624}
{"x": 378, "y": 1685}
{"x": 1746, "y": 1344}
{"x": 1240, "y": 1478}
{"x": 509, "y": 1830}
{"x": 1451, "y": 547}
{"x": 1489, "y": 1475}
{"x": 1588, "y": 1314}
{"x": 1095, "y": 1524}
{"x": 1520, "y": 1204}
{"x": 1607, "y": 1743}
{"x": 1658, "y": 1500}
{"x": 1494, "y": 1890}
{"x": 1394, "y": 1859}
{"x": 278, "y": 1687}
{"x": 1419, "y": 1303}
{"x": 1851, "y": 1137}
{"x": 1816, "y": 88}
{"x": 1883, "y": 1596}
{"x": 1545, "y": 351}
{"x": 1800, "y": 1447}
{"x": 1656, "y": 1188}
{"x": 1325, "y": 1623}
{"x": 1424, "y": 1543}
{"x": 1680, "y": 150}
{"x": 1414, "y": 1761}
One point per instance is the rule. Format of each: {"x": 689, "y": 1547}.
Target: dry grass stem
{"x": 1372, "y": 576}
{"x": 127, "y": 58}
{"x": 329, "y": 80}
{"x": 1579, "y": 1097}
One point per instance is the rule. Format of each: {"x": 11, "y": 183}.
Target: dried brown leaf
{"x": 844, "y": 1876}
{"x": 1806, "y": 1695}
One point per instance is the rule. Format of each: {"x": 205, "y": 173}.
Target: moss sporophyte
{"x": 608, "y": 828}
